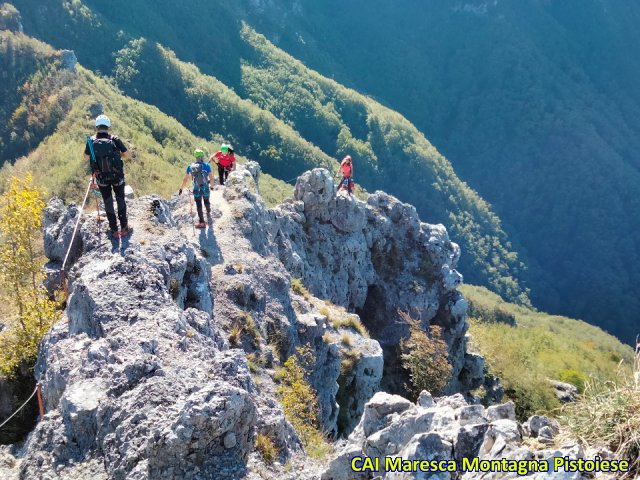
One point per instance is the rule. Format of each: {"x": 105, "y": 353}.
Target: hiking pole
{"x": 94, "y": 188}
{"x": 73, "y": 236}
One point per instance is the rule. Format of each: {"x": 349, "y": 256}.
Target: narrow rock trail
{"x": 165, "y": 366}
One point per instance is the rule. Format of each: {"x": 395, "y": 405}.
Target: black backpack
{"x": 107, "y": 160}
{"x": 198, "y": 174}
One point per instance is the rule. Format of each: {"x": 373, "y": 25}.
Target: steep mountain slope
{"x": 511, "y": 337}
{"x": 537, "y": 105}
{"x": 55, "y": 101}
{"x": 392, "y": 154}
{"x": 165, "y": 363}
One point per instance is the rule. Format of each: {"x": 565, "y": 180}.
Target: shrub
{"x": 234, "y": 335}
{"x": 267, "y": 448}
{"x": 425, "y": 357}
{"x": 574, "y": 377}
{"x": 244, "y": 324}
{"x": 352, "y": 322}
{"x": 298, "y": 287}
{"x": 299, "y": 400}
{"x": 21, "y": 271}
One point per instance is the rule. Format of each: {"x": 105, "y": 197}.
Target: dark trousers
{"x": 347, "y": 182}
{"x": 223, "y": 173}
{"x": 200, "y": 194}
{"x": 118, "y": 190}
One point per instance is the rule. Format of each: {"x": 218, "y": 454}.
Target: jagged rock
{"x": 69, "y": 60}
{"x": 425, "y": 400}
{"x": 494, "y": 391}
{"x": 59, "y": 223}
{"x": 453, "y": 401}
{"x": 139, "y": 379}
{"x": 472, "y": 414}
{"x": 447, "y": 430}
{"x": 535, "y": 423}
{"x": 428, "y": 446}
{"x": 564, "y": 391}
{"x": 506, "y": 411}
{"x": 375, "y": 259}
{"x": 139, "y": 373}
{"x": 255, "y": 170}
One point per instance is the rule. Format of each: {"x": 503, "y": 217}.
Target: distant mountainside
{"x": 309, "y": 123}
{"x": 535, "y": 103}
{"x": 48, "y": 110}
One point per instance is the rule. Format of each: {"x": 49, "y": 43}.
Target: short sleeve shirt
{"x": 205, "y": 166}
{"x": 119, "y": 144}
{"x": 225, "y": 160}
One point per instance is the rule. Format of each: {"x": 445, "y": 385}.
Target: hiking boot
{"x": 113, "y": 233}
{"x": 125, "y": 232}
{"x": 201, "y": 225}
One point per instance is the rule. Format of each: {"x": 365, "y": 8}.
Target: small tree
{"x": 425, "y": 357}
{"x": 299, "y": 401}
{"x": 297, "y": 396}
{"x": 21, "y": 271}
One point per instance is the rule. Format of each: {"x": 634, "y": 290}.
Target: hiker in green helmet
{"x": 225, "y": 160}
{"x": 199, "y": 172}
{"x": 105, "y": 153}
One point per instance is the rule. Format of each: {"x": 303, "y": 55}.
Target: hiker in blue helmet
{"x": 105, "y": 153}
{"x": 200, "y": 173}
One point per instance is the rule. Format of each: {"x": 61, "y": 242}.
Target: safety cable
{"x": 21, "y": 407}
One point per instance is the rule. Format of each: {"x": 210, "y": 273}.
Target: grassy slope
{"x": 381, "y": 139}
{"x": 162, "y": 146}
{"x": 541, "y": 346}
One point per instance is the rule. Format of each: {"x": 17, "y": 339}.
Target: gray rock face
{"x": 139, "y": 374}
{"x": 147, "y": 375}
{"x": 375, "y": 259}
{"x": 564, "y": 391}
{"x": 69, "y": 60}
{"x": 446, "y": 428}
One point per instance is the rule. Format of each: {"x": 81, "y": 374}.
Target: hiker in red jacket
{"x": 225, "y": 160}
{"x": 347, "y": 174}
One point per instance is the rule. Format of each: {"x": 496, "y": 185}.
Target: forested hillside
{"x": 535, "y": 103}
{"x": 161, "y": 146}
{"x": 309, "y": 123}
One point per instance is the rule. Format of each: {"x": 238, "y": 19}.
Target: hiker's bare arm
{"x": 184, "y": 181}
{"x": 126, "y": 154}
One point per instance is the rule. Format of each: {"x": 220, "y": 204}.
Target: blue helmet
{"x": 103, "y": 120}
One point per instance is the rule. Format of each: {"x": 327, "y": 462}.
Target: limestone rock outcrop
{"x": 164, "y": 363}
{"x": 445, "y": 429}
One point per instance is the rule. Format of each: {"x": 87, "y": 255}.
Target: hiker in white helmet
{"x": 105, "y": 153}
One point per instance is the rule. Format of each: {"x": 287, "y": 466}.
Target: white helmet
{"x": 103, "y": 120}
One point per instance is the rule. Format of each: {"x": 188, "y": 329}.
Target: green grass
{"x": 267, "y": 448}
{"x": 338, "y": 318}
{"x": 298, "y": 287}
{"x": 274, "y": 191}
{"x": 608, "y": 415}
{"x": 542, "y": 346}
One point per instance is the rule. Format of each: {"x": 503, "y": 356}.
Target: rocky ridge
{"x": 147, "y": 375}
{"x": 450, "y": 429}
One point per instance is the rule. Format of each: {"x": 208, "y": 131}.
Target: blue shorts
{"x": 202, "y": 191}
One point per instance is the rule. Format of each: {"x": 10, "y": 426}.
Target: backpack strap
{"x": 92, "y": 156}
